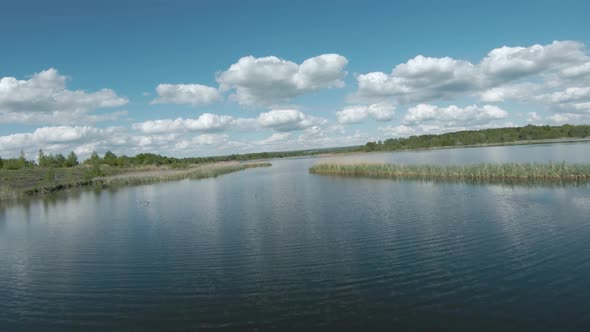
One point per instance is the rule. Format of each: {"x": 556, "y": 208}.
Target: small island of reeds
{"x": 534, "y": 172}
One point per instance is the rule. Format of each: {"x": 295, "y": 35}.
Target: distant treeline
{"x": 44, "y": 161}
{"x": 460, "y": 138}
{"x": 144, "y": 159}
{"x": 484, "y": 136}
{"x": 147, "y": 159}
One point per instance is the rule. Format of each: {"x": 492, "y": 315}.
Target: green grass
{"x": 16, "y": 184}
{"x": 478, "y": 172}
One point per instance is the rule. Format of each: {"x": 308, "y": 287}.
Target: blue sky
{"x": 188, "y": 78}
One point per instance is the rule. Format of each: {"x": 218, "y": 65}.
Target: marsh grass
{"x": 200, "y": 172}
{"x": 21, "y": 184}
{"x": 8, "y": 193}
{"x": 509, "y": 172}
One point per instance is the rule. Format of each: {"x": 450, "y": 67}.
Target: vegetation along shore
{"x": 24, "y": 176}
{"x": 485, "y": 137}
{"x": 31, "y": 182}
{"x": 478, "y": 172}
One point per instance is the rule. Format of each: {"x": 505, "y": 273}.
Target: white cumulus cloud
{"x": 453, "y": 116}
{"x": 397, "y": 131}
{"x": 271, "y": 80}
{"x": 279, "y": 120}
{"x": 205, "y": 122}
{"x": 45, "y": 98}
{"x": 193, "y": 94}
{"x": 506, "y": 73}
{"x": 508, "y": 63}
{"x": 569, "y": 118}
{"x": 274, "y": 138}
{"x": 357, "y": 114}
{"x": 288, "y": 120}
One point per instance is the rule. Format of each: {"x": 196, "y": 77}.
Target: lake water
{"x": 280, "y": 249}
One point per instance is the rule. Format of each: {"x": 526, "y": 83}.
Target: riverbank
{"x": 524, "y": 143}
{"x": 535, "y": 172}
{"x": 15, "y": 184}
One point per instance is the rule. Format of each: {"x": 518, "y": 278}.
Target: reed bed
{"x": 8, "y": 193}
{"x": 130, "y": 178}
{"x": 200, "y": 172}
{"x": 477, "y": 172}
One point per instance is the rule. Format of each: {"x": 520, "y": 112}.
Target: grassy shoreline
{"x": 35, "y": 186}
{"x": 523, "y": 172}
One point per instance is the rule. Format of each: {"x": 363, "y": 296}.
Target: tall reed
{"x": 201, "y": 172}
{"x": 507, "y": 171}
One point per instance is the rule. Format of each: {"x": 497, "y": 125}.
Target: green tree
{"x": 95, "y": 170}
{"x": 50, "y": 160}
{"x": 371, "y": 146}
{"x": 42, "y": 159}
{"x": 469, "y": 137}
{"x": 11, "y": 164}
{"x": 94, "y": 159}
{"x": 123, "y": 161}
{"x": 60, "y": 160}
{"x": 71, "y": 160}
{"x": 110, "y": 158}
{"x": 22, "y": 160}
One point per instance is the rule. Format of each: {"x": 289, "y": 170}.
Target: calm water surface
{"x": 280, "y": 249}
